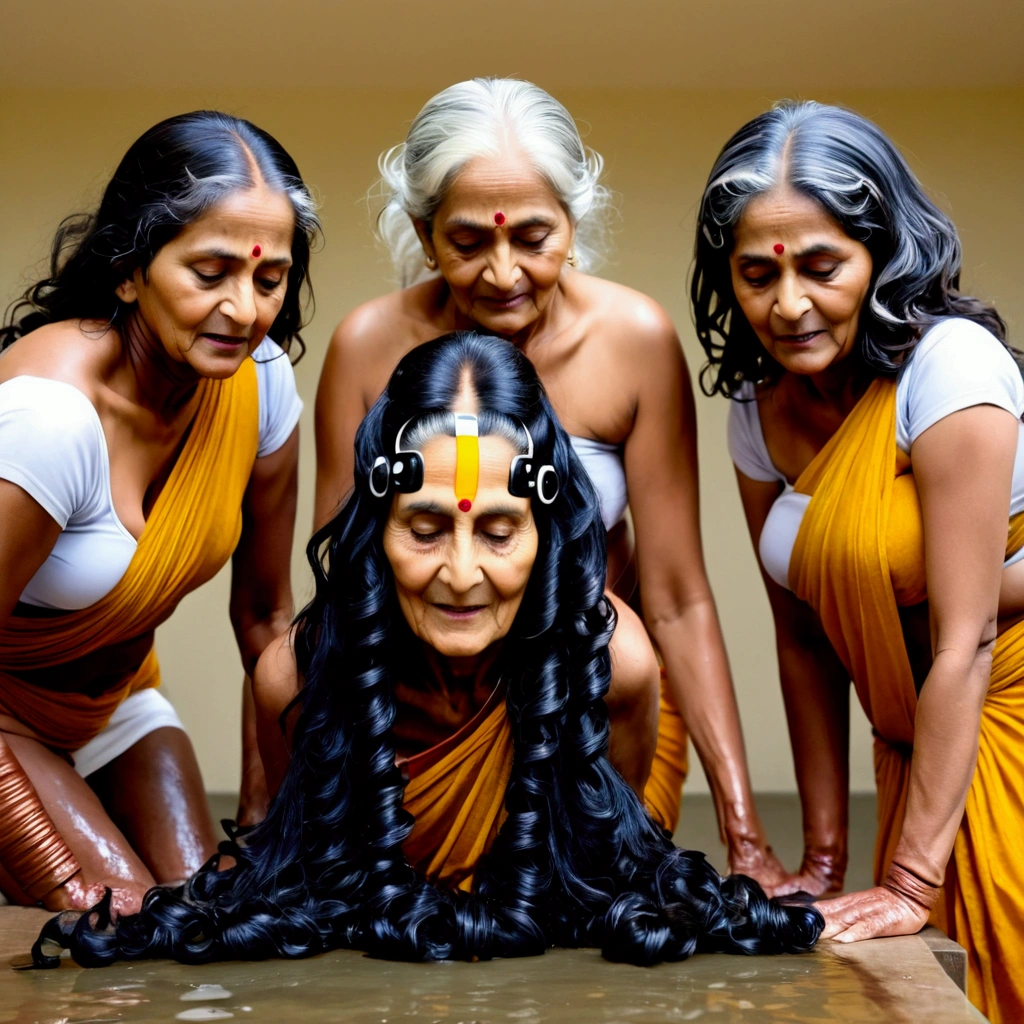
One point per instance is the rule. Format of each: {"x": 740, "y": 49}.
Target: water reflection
{"x": 564, "y": 985}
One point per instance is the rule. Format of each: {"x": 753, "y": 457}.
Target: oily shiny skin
{"x": 32, "y": 851}
{"x": 156, "y": 828}
{"x": 154, "y": 794}
{"x": 899, "y": 906}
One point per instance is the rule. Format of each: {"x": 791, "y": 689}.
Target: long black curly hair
{"x": 577, "y": 862}
{"x": 851, "y": 168}
{"x": 170, "y": 176}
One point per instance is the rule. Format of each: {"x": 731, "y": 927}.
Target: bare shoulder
{"x": 68, "y": 351}
{"x": 628, "y": 320}
{"x": 276, "y": 679}
{"x": 381, "y": 331}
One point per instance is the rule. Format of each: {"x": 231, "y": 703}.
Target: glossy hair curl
{"x": 170, "y": 176}
{"x": 577, "y": 862}
{"x": 851, "y": 168}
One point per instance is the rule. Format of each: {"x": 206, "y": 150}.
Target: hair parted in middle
{"x": 577, "y": 861}
{"x": 478, "y": 118}
{"x": 849, "y": 166}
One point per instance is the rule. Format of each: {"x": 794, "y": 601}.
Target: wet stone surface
{"x": 884, "y": 980}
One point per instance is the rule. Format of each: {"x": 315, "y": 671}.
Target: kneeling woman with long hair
{"x": 469, "y": 558}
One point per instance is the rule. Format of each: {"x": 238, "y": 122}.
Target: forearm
{"x": 946, "y": 728}
{"x": 33, "y": 853}
{"x": 816, "y": 694}
{"x": 254, "y": 630}
{"x": 697, "y": 671}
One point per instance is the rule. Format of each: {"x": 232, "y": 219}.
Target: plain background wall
{"x": 60, "y": 145}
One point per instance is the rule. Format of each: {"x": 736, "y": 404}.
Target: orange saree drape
{"x": 190, "y": 533}
{"x": 456, "y": 790}
{"x": 664, "y": 790}
{"x": 858, "y": 557}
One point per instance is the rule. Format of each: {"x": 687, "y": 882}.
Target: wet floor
{"x": 885, "y": 980}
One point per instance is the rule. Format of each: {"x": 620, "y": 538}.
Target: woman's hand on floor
{"x": 757, "y": 860}
{"x": 900, "y": 906}
{"x": 821, "y": 873}
{"x": 77, "y": 894}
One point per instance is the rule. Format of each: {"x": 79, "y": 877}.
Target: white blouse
{"x": 52, "y": 446}
{"x": 956, "y": 364}
{"x": 603, "y": 463}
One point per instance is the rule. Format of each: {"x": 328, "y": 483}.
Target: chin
{"x": 219, "y": 367}
{"x": 468, "y": 649}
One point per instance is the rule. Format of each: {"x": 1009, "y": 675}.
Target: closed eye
{"x": 208, "y": 278}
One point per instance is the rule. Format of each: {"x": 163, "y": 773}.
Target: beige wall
{"x": 58, "y": 148}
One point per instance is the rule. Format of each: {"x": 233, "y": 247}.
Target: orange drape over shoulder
{"x": 456, "y": 793}
{"x": 190, "y": 533}
{"x": 858, "y": 557}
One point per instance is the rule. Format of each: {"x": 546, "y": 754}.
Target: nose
{"x": 461, "y": 570}
{"x": 240, "y": 305}
{"x": 502, "y": 270}
{"x": 791, "y": 302}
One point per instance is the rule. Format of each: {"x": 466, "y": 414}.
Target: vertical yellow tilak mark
{"x": 467, "y": 458}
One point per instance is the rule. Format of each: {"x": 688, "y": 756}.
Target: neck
{"x": 148, "y": 376}
{"x": 839, "y": 386}
{"x": 464, "y": 672}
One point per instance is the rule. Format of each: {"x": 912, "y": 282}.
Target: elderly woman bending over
{"x": 875, "y": 430}
{"x": 494, "y": 218}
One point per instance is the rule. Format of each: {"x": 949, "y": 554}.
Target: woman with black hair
{"x": 147, "y": 432}
{"x": 875, "y": 432}
{"x": 495, "y": 217}
{"x": 470, "y": 557}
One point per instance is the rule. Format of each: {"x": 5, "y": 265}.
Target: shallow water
{"x": 897, "y": 981}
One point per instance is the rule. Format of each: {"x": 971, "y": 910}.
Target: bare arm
{"x": 661, "y": 470}
{"x": 27, "y": 535}
{"x": 963, "y": 466}
{"x": 816, "y": 692}
{"x": 261, "y": 593}
{"x": 342, "y": 400}
{"x": 275, "y": 684}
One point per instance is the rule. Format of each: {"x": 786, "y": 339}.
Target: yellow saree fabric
{"x": 191, "y": 531}
{"x": 858, "y": 557}
{"x": 456, "y": 790}
{"x": 664, "y": 790}
{"x": 456, "y": 793}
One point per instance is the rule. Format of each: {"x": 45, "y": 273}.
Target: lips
{"x": 226, "y": 341}
{"x": 504, "y": 303}
{"x": 460, "y": 612}
{"x": 798, "y": 339}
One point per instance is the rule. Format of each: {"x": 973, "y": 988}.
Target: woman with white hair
{"x": 494, "y": 218}
{"x": 875, "y": 432}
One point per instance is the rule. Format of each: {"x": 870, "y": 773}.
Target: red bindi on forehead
{"x": 499, "y": 218}
{"x": 779, "y": 248}
{"x": 257, "y": 251}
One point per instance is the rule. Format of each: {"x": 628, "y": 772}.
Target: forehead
{"x": 785, "y": 211}
{"x": 257, "y": 214}
{"x": 439, "y": 458}
{"x": 502, "y": 181}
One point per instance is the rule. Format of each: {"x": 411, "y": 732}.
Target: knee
{"x": 636, "y": 675}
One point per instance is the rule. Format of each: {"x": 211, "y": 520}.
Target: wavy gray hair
{"x": 472, "y": 119}
{"x": 852, "y": 169}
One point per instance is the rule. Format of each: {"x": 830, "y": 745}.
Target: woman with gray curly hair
{"x": 494, "y": 219}
{"x": 874, "y": 429}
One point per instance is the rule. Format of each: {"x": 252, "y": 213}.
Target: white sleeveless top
{"x": 956, "y": 364}
{"x": 603, "y": 463}
{"x": 52, "y": 446}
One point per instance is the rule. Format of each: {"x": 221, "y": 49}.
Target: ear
{"x": 425, "y": 235}
{"x": 126, "y": 291}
